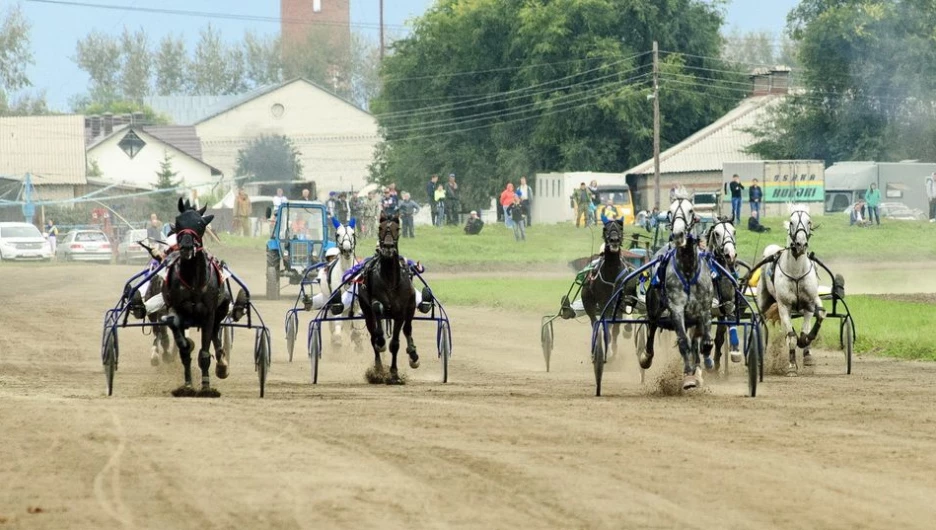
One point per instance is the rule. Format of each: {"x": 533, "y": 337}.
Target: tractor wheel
{"x": 272, "y": 276}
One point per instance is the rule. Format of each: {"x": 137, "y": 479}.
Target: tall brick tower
{"x": 300, "y": 18}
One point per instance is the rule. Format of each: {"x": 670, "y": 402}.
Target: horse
{"x": 386, "y": 292}
{"x": 599, "y": 285}
{"x": 720, "y": 241}
{"x": 331, "y": 277}
{"x": 161, "y": 339}
{"x": 791, "y": 282}
{"x": 683, "y": 285}
{"x": 195, "y": 296}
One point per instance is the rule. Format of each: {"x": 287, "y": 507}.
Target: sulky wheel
{"x": 640, "y": 342}
{"x": 848, "y": 340}
{"x": 445, "y": 349}
{"x": 110, "y": 360}
{"x": 292, "y": 326}
{"x": 753, "y": 353}
{"x": 546, "y": 338}
{"x": 315, "y": 350}
{"x": 262, "y": 357}
{"x": 598, "y": 356}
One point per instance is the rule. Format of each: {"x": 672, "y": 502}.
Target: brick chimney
{"x": 95, "y": 126}
{"x": 138, "y": 118}
{"x": 108, "y": 123}
{"x": 330, "y": 18}
{"x": 774, "y": 80}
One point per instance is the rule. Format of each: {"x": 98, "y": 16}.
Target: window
{"x": 317, "y": 6}
{"x": 894, "y": 191}
{"x": 90, "y": 236}
{"x": 131, "y": 144}
{"x": 277, "y": 110}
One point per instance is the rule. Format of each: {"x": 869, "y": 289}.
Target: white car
{"x": 23, "y": 241}
{"x": 84, "y": 245}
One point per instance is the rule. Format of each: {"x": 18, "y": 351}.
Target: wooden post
{"x": 656, "y": 124}
{"x": 381, "y": 31}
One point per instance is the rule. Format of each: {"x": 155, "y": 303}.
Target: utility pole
{"x": 656, "y": 123}
{"x": 381, "y": 31}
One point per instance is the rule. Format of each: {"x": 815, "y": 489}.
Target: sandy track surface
{"x": 504, "y": 445}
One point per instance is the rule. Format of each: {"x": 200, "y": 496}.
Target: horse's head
{"x": 681, "y": 217}
{"x": 388, "y": 234}
{"x": 190, "y": 226}
{"x": 721, "y": 240}
{"x": 799, "y": 230}
{"x": 345, "y": 237}
{"x": 613, "y": 235}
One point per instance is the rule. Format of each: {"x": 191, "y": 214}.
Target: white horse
{"x": 791, "y": 282}
{"x": 330, "y": 277}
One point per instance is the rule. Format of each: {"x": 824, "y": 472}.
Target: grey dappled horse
{"x": 332, "y": 277}
{"x": 686, "y": 292}
{"x": 791, "y": 281}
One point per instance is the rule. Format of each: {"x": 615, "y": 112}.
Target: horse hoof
{"x": 394, "y": 379}
{"x": 709, "y": 363}
{"x": 689, "y": 382}
{"x": 184, "y": 391}
{"x": 154, "y": 360}
{"x": 221, "y": 370}
{"x": 791, "y": 370}
{"x": 808, "y": 360}
{"x": 414, "y": 363}
{"x": 735, "y": 356}
{"x": 645, "y": 361}
{"x": 208, "y": 392}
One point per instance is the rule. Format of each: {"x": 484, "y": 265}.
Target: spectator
{"x": 515, "y": 212}
{"x": 931, "y": 196}
{"x": 154, "y": 228}
{"x": 342, "y": 208}
{"x": 610, "y": 213}
{"x": 506, "y": 200}
{"x": 408, "y": 208}
{"x": 452, "y": 203}
{"x": 755, "y": 196}
{"x": 440, "y": 201}
{"x": 278, "y": 200}
{"x": 595, "y": 201}
{"x": 52, "y": 233}
{"x": 873, "y": 199}
{"x": 526, "y": 195}
{"x": 474, "y": 224}
{"x": 193, "y": 199}
{"x": 430, "y": 195}
{"x": 581, "y": 202}
{"x": 371, "y": 214}
{"x": 735, "y": 187}
{"x": 331, "y": 203}
{"x": 391, "y": 203}
{"x": 305, "y": 195}
{"x": 753, "y": 224}
{"x": 242, "y": 213}
{"x": 857, "y": 217}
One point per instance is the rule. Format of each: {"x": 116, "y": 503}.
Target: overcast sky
{"x": 56, "y": 28}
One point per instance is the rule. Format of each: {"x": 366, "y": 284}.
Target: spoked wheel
{"x": 598, "y": 357}
{"x": 110, "y": 360}
{"x": 762, "y": 336}
{"x": 640, "y": 341}
{"x": 262, "y": 357}
{"x": 848, "y": 342}
{"x": 753, "y": 356}
{"x": 546, "y": 338}
{"x": 315, "y": 350}
{"x": 445, "y": 349}
{"x": 292, "y": 325}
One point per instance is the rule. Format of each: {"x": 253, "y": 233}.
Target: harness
{"x": 210, "y": 260}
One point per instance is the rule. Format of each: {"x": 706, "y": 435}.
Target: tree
{"x": 98, "y": 55}
{"x": 171, "y": 66}
{"x": 365, "y": 70}
{"x": 24, "y": 105}
{"x": 869, "y": 70}
{"x": 270, "y": 157}
{"x": 263, "y": 60}
{"x": 150, "y": 116}
{"x": 137, "y": 65}
{"x": 493, "y": 90}
{"x": 235, "y": 71}
{"x": 321, "y": 61}
{"x": 208, "y": 72}
{"x": 15, "y": 53}
{"x": 165, "y": 204}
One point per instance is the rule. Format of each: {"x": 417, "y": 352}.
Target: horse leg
{"x": 173, "y": 322}
{"x": 615, "y": 330}
{"x": 813, "y": 332}
{"x": 410, "y": 343}
{"x": 706, "y": 339}
{"x": 376, "y": 333}
{"x": 646, "y": 357}
{"x": 786, "y": 321}
{"x": 221, "y": 369}
{"x": 204, "y": 356}
{"x": 154, "y": 351}
{"x": 394, "y": 349}
{"x": 689, "y": 378}
{"x": 720, "y": 331}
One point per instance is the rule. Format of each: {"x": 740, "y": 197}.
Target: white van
{"x": 23, "y": 241}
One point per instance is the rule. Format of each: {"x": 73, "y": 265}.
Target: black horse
{"x": 599, "y": 285}
{"x": 195, "y": 295}
{"x": 386, "y": 292}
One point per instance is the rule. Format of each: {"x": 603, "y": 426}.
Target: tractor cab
{"x": 299, "y": 238}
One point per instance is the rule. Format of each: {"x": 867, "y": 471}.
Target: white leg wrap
{"x": 418, "y": 296}
{"x": 142, "y": 289}
{"x": 346, "y": 298}
{"x": 318, "y": 301}
{"x": 154, "y": 304}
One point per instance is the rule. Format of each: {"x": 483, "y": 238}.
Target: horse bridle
{"x": 394, "y": 229}
{"x": 346, "y": 237}
{"x": 680, "y": 211}
{"x": 196, "y": 239}
{"x": 800, "y": 226}
{"x": 727, "y": 237}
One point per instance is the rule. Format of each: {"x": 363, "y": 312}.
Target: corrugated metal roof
{"x": 188, "y": 110}
{"x": 722, "y": 141}
{"x": 51, "y": 148}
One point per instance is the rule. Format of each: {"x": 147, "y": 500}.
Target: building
{"x": 51, "y": 149}
{"x": 126, "y": 151}
{"x": 336, "y": 139}
{"x": 552, "y": 193}
{"x": 300, "y": 19}
{"x": 899, "y": 182}
{"x": 697, "y": 162}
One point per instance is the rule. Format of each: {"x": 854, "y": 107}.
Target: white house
{"x": 133, "y": 154}
{"x": 336, "y": 139}
{"x": 50, "y": 149}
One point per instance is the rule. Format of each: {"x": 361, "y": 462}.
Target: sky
{"x": 56, "y": 28}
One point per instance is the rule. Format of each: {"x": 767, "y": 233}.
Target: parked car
{"x": 129, "y": 249}
{"x": 84, "y": 245}
{"x": 23, "y": 241}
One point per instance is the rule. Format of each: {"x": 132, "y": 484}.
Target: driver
{"x": 423, "y": 296}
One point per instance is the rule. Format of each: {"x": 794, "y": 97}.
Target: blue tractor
{"x": 299, "y": 238}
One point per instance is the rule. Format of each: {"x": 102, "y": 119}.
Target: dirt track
{"x": 504, "y": 445}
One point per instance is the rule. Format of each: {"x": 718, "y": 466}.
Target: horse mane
{"x": 797, "y": 207}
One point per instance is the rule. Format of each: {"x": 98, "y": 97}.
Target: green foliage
{"x": 94, "y": 169}
{"x": 165, "y": 205}
{"x": 15, "y": 53}
{"x": 120, "y": 107}
{"x": 891, "y": 328}
{"x": 137, "y": 65}
{"x": 171, "y": 66}
{"x": 493, "y": 90}
{"x": 868, "y": 71}
{"x": 98, "y": 54}
{"x": 24, "y": 104}
{"x": 269, "y": 157}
